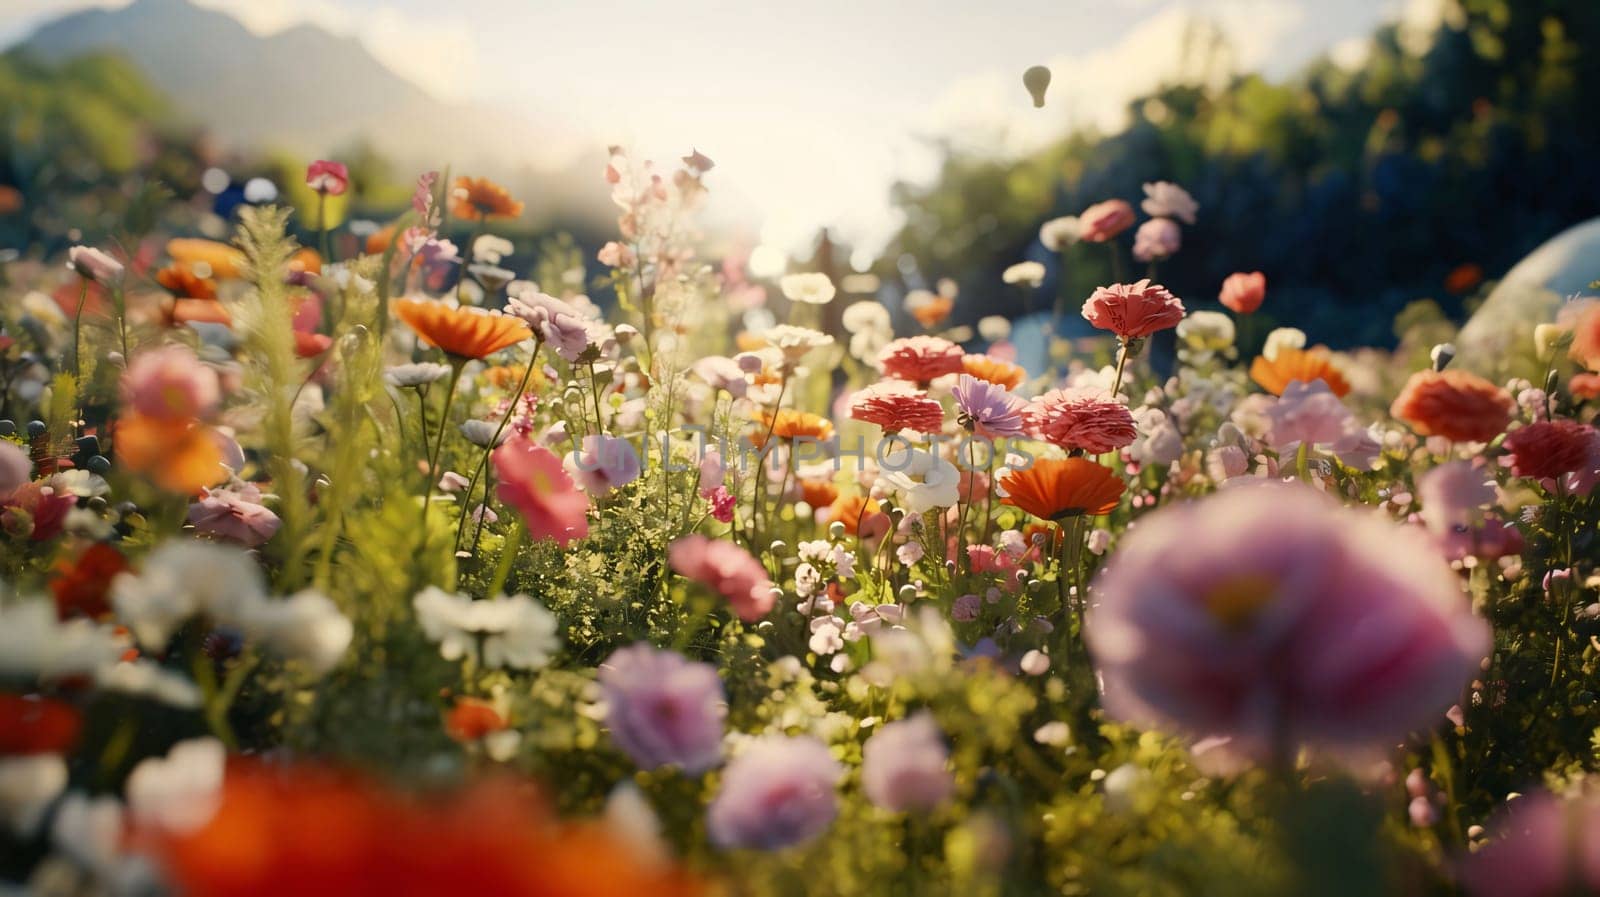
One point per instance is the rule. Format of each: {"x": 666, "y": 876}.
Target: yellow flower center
{"x": 1234, "y": 601}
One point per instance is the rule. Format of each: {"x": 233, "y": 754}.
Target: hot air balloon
{"x": 1036, "y": 79}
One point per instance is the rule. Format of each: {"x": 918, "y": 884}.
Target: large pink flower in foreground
{"x": 1273, "y": 618}
{"x": 1133, "y": 310}
{"x": 1540, "y": 846}
{"x": 1080, "y": 418}
{"x": 726, "y": 569}
{"x": 533, "y": 482}
{"x": 921, "y": 358}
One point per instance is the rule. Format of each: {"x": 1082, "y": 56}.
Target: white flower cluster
{"x": 515, "y": 632}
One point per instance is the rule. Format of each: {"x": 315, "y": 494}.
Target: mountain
{"x": 312, "y": 93}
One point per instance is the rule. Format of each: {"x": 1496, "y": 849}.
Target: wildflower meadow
{"x": 407, "y": 556}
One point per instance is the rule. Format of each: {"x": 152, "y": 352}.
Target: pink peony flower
{"x": 235, "y": 513}
{"x": 1541, "y": 846}
{"x": 896, "y": 405}
{"x": 558, "y": 323}
{"x": 1157, "y": 239}
{"x": 726, "y": 569}
{"x": 533, "y": 482}
{"x": 1081, "y": 418}
{"x": 331, "y": 178}
{"x": 1272, "y": 617}
{"x": 663, "y": 709}
{"x": 778, "y": 792}
{"x": 1133, "y": 310}
{"x": 1243, "y": 293}
{"x": 1104, "y": 221}
{"x": 603, "y": 463}
{"x": 905, "y": 765}
{"x": 1165, "y": 199}
{"x": 170, "y": 384}
{"x": 920, "y": 359}
{"x": 988, "y": 409}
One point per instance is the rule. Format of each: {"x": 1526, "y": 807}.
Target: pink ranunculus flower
{"x": 170, "y": 383}
{"x": 1105, "y": 220}
{"x": 1157, "y": 239}
{"x": 1243, "y": 293}
{"x": 726, "y": 569}
{"x": 533, "y": 482}
{"x": 1539, "y": 846}
{"x": 557, "y": 322}
{"x": 1273, "y": 618}
{"x": 921, "y": 359}
{"x": 236, "y": 513}
{"x": 905, "y": 765}
{"x": 603, "y": 463}
{"x": 778, "y": 792}
{"x": 330, "y": 178}
{"x": 664, "y": 709}
{"x": 1133, "y": 310}
{"x": 1081, "y": 418}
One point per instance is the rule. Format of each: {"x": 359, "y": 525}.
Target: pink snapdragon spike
{"x": 777, "y": 793}
{"x": 533, "y": 482}
{"x": 170, "y": 383}
{"x": 1082, "y": 419}
{"x": 1270, "y": 618}
{"x": 328, "y": 178}
{"x": 1133, "y": 310}
{"x": 726, "y": 569}
{"x": 663, "y": 709}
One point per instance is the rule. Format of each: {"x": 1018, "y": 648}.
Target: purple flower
{"x": 904, "y": 767}
{"x": 604, "y": 463}
{"x": 779, "y": 792}
{"x": 989, "y": 409}
{"x": 558, "y": 323}
{"x": 663, "y": 709}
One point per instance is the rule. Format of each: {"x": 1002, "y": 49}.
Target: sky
{"x": 811, "y": 111}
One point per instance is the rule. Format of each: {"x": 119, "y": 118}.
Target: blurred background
{"x": 1375, "y": 158}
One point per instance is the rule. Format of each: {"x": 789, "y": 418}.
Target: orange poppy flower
{"x": 81, "y": 587}
{"x": 378, "y": 241}
{"x": 185, "y": 283}
{"x": 1458, "y": 405}
{"x": 792, "y": 424}
{"x": 199, "y": 311}
{"x": 993, "y": 370}
{"x": 30, "y": 725}
{"x": 178, "y": 456}
{"x": 305, "y": 260}
{"x": 854, "y": 511}
{"x": 473, "y": 198}
{"x": 1305, "y": 365}
{"x": 818, "y": 493}
{"x": 224, "y": 261}
{"x": 933, "y": 311}
{"x": 462, "y": 332}
{"x": 471, "y": 720}
{"x": 1058, "y": 488}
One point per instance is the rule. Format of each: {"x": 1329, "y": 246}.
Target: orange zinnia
{"x": 179, "y": 456}
{"x": 473, "y": 198}
{"x": 818, "y": 493}
{"x": 933, "y": 311}
{"x": 792, "y": 424}
{"x": 1458, "y": 405}
{"x": 993, "y": 370}
{"x": 462, "y": 332}
{"x": 1057, "y": 488}
{"x": 1304, "y": 365}
{"x": 185, "y": 283}
{"x": 224, "y": 261}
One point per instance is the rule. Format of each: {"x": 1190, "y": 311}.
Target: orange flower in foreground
{"x": 222, "y": 261}
{"x": 1458, "y": 405}
{"x": 81, "y": 586}
{"x": 993, "y": 370}
{"x": 314, "y": 832}
{"x": 792, "y": 424}
{"x": 1305, "y": 365}
{"x": 471, "y": 719}
{"x": 177, "y": 455}
{"x": 463, "y": 332}
{"x": 186, "y": 282}
{"x": 933, "y": 311}
{"x": 475, "y": 197}
{"x": 1057, "y": 488}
